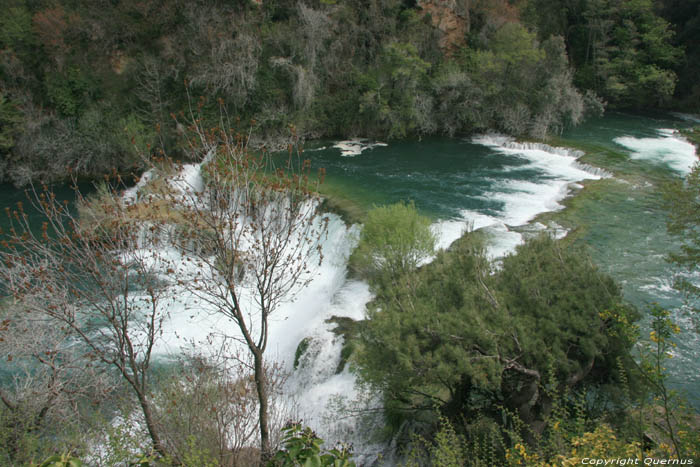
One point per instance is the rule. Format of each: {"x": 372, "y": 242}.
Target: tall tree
{"x": 254, "y": 231}
{"x": 470, "y": 338}
{"x": 92, "y": 279}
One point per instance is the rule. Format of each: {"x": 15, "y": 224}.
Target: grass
{"x": 336, "y": 201}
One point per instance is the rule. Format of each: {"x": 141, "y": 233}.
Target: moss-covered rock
{"x": 349, "y": 329}
{"x": 301, "y": 349}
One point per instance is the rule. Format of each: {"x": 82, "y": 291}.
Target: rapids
{"x": 490, "y": 182}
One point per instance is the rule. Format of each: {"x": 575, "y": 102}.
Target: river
{"x": 508, "y": 189}
{"x": 511, "y": 189}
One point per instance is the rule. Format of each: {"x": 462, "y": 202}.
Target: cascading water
{"x": 317, "y": 380}
{"x": 666, "y": 148}
{"x": 491, "y": 183}
{"x": 319, "y": 384}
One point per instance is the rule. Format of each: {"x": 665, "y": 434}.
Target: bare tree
{"x": 316, "y": 26}
{"x": 46, "y": 377}
{"x": 150, "y": 91}
{"x": 93, "y": 279}
{"x": 213, "y": 400}
{"x": 227, "y": 51}
{"x": 254, "y": 233}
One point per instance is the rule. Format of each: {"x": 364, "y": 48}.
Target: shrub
{"x": 394, "y": 240}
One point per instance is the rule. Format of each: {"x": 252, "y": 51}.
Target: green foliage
{"x": 61, "y": 460}
{"x": 16, "y": 26}
{"x": 301, "y": 348}
{"x": 569, "y": 436}
{"x": 683, "y": 204}
{"x": 524, "y": 87}
{"x": 136, "y": 136}
{"x": 404, "y": 76}
{"x": 194, "y": 454}
{"x": 447, "y": 449}
{"x": 301, "y": 447}
{"x": 10, "y": 124}
{"x": 684, "y": 16}
{"x": 416, "y": 344}
{"x": 461, "y": 337}
{"x": 349, "y": 330}
{"x": 395, "y": 239}
{"x": 384, "y": 73}
{"x": 623, "y": 51}
{"x": 119, "y": 442}
{"x": 669, "y": 417}
{"x": 556, "y": 296}
{"x": 68, "y": 91}
{"x": 19, "y": 440}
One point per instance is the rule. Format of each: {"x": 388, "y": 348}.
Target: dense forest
{"x": 81, "y": 83}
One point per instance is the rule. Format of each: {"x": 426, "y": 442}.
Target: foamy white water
{"x": 687, "y": 117}
{"x": 669, "y": 149}
{"x": 316, "y": 385}
{"x": 355, "y": 147}
{"x": 521, "y": 200}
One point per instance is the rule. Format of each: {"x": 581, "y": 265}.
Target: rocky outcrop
{"x": 451, "y": 18}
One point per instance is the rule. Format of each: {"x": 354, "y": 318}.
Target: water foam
{"x": 687, "y": 117}
{"x": 314, "y": 385}
{"x": 669, "y": 148}
{"x": 521, "y": 200}
{"x": 355, "y": 147}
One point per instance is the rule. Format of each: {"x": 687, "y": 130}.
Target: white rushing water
{"x": 355, "y": 147}
{"x": 687, "y": 117}
{"x": 315, "y": 386}
{"x": 669, "y": 148}
{"x": 315, "y": 389}
{"x": 522, "y": 200}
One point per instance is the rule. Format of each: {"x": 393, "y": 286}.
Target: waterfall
{"x": 316, "y": 385}
{"x": 669, "y": 149}
{"x": 522, "y": 200}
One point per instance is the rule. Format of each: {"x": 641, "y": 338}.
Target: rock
{"x": 451, "y": 18}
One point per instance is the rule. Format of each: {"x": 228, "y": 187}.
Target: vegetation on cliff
{"x": 80, "y": 82}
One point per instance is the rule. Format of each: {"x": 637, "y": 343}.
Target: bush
{"x": 394, "y": 240}
{"x": 303, "y": 448}
{"x": 457, "y": 337}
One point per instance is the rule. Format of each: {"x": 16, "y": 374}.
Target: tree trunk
{"x": 151, "y": 425}
{"x": 261, "y": 386}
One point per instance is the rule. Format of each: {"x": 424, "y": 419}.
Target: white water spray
{"x": 669, "y": 149}
{"x": 521, "y": 200}
{"x": 355, "y": 147}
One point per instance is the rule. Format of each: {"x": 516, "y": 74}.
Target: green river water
{"x": 510, "y": 190}
{"x": 621, "y": 218}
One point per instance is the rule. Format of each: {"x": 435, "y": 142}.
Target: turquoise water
{"x": 442, "y": 176}
{"x": 509, "y": 189}
{"x": 621, "y": 219}
{"x": 626, "y": 230}
{"x": 10, "y": 196}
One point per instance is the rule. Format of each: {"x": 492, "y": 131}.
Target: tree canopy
{"x": 469, "y": 337}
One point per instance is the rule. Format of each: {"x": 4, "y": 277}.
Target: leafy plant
{"x": 302, "y": 447}
{"x": 62, "y": 460}
{"x": 395, "y": 239}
